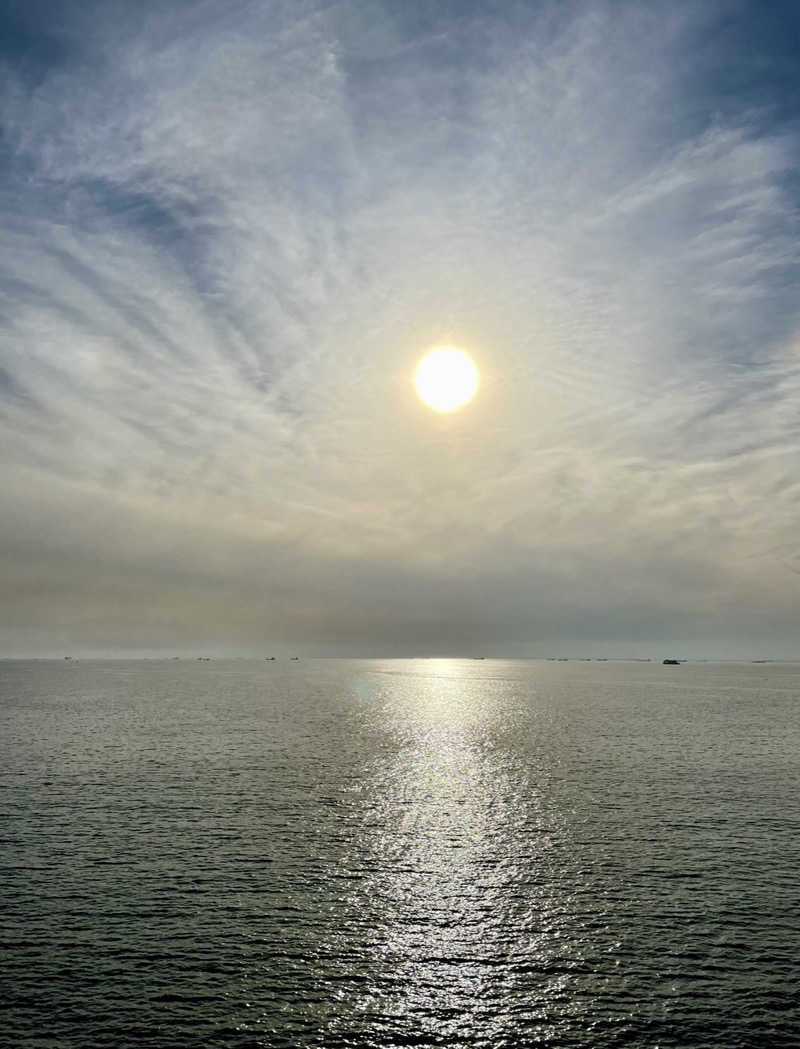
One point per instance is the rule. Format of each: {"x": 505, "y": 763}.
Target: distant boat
{"x": 671, "y": 663}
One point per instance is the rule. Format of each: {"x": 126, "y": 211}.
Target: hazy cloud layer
{"x": 230, "y": 230}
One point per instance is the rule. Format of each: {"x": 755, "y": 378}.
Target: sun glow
{"x": 446, "y": 379}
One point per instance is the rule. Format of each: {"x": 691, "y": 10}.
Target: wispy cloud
{"x": 231, "y": 232}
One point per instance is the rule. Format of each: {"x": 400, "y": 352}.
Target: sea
{"x": 381, "y": 853}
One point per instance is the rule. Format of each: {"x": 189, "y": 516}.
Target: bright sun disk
{"x": 446, "y": 379}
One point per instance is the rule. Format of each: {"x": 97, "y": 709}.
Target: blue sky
{"x": 231, "y": 231}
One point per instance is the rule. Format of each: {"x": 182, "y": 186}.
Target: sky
{"x": 230, "y": 232}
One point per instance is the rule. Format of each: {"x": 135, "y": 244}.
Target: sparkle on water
{"x": 446, "y": 379}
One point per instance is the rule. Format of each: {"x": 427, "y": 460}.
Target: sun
{"x": 446, "y": 379}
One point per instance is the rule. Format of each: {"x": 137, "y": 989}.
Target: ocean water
{"x": 394, "y": 853}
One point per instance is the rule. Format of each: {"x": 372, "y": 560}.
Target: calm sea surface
{"x": 401, "y": 852}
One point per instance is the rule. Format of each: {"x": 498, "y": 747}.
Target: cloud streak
{"x": 232, "y": 233}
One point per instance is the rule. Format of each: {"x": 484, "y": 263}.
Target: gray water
{"x": 392, "y": 853}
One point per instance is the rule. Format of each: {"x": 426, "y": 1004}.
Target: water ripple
{"x": 426, "y": 853}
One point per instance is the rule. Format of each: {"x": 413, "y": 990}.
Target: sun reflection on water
{"x": 452, "y": 827}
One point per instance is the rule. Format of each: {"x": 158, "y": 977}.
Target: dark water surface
{"x": 392, "y": 853}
